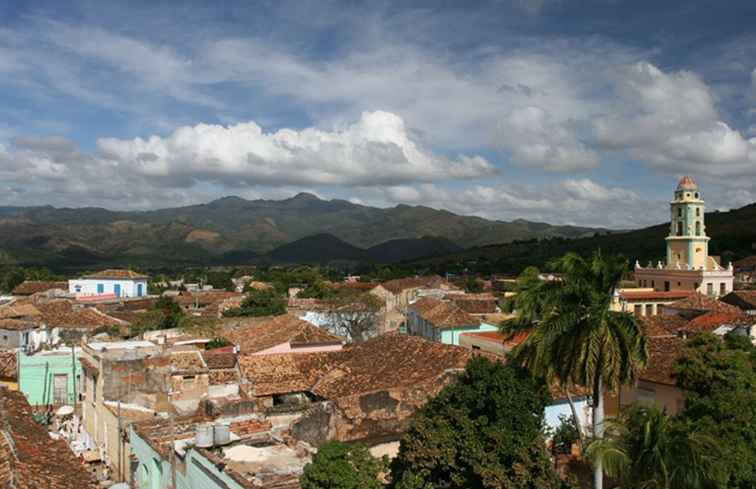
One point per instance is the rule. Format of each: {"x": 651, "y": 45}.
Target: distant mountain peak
{"x": 305, "y": 197}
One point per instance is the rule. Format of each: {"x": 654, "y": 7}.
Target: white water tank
{"x": 204, "y": 435}
{"x": 221, "y": 434}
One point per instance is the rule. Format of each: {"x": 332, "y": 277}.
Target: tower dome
{"x": 687, "y": 183}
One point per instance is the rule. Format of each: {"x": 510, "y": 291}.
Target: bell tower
{"x": 687, "y": 243}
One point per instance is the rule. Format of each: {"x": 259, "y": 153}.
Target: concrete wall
{"x": 88, "y": 286}
{"x": 664, "y": 396}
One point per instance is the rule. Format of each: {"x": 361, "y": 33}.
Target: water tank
{"x": 204, "y": 435}
{"x": 221, "y": 434}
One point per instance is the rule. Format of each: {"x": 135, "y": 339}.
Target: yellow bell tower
{"x": 687, "y": 243}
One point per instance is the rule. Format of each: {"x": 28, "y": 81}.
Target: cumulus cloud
{"x": 670, "y": 120}
{"x": 376, "y": 150}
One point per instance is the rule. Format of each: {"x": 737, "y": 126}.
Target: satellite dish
{"x": 64, "y": 411}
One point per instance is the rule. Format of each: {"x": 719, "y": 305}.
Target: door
{"x": 117, "y": 290}
{"x": 60, "y": 389}
{"x": 140, "y": 290}
{"x": 100, "y": 288}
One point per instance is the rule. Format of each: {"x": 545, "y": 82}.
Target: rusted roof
{"x": 29, "y": 287}
{"x": 221, "y": 359}
{"x": 443, "y": 314}
{"x": 253, "y": 335}
{"x": 700, "y": 302}
{"x": 116, "y": 273}
{"x": 187, "y": 361}
{"x": 8, "y": 365}
{"x": 29, "y": 458}
{"x": 286, "y": 372}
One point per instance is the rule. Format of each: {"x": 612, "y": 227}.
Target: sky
{"x": 568, "y": 112}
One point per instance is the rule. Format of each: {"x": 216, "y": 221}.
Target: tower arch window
{"x": 679, "y": 212}
{"x": 698, "y": 212}
{"x": 698, "y": 228}
{"x": 679, "y": 229}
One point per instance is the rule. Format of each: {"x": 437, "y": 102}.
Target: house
{"x": 743, "y": 299}
{"x": 50, "y": 377}
{"x": 367, "y": 392}
{"x": 644, "y": 302}
{"x": 278, "y": 334}
{"x": 200, "y": 452}
{"x": 696, "y": 305}
{"x": 442, "y": 321}
{"x": 31, "y": 287}
{"x": 745, "y": 270}
{"x": 688, "y": 265}
{"x": 112, "y": 282}
{"x": 71, "y": 322}
{"x": 493, "y": 342}
{"x": 9, "y": 369}
{"x": 29, "y": 457}
{"x": 20, "y": 327}
{"x": 399, "y": 293}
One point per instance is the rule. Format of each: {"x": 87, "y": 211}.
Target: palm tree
{"x": 577, "y": 339}
{"x": 647, "y": 449}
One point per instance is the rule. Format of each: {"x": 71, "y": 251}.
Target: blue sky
{"x": 566, "y": 112}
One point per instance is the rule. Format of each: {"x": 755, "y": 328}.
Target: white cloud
{"x": 671, "y": 121}
{"x": 376, "y": 150}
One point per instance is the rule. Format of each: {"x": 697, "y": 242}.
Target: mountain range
{"x": 232, "y": 230}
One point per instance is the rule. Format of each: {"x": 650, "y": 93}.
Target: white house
{"x": 115, "y": 283}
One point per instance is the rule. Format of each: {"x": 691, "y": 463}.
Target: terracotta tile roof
{"x": 476, "y": 306}
{"x": 712, "y": 320}
{"x": 655, "y": 295}
{"x": 662, "y": 354}
{"x": 744, "y": 299}
{"x": 700, "y": 302}
{"x": 29, "y": 287}
{"x": 219, "y": 360}
{"x": 116, "y": 273}
{"x": 63, "y": 314}
{"x": 508, "y": 340}
{"x": 205, "y": 298}
{"x": 398, "y": 285}
{"x": 663, "y": 325}
{"x": 747, "y": 262}
{"x": 188, "y": 361}
{"x": 34, "y": 460}
{"x": 257, "y": 334}
{"x": 18, "y": 310}
{"x": 17, "y": 325}
{"x": 8, "y": 364}
{"x": 220, "y": 376}
{"x": 443, "y": 314}
{"x": 286, "y": 372}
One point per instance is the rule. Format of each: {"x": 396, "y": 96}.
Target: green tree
{"x": 340, "y": 466}
{"x": 354, "y": 315}
{"x": 483, "y": 431}
{"x": 473, "y": 285}
{"x": 565, "y": 435}
{"x": 265, "y": 302}
{"x": 719, "y": 379}
{"x": 11, "y": 278}
{"x": 577, "y": 339}
{"x": 644, "y": 448}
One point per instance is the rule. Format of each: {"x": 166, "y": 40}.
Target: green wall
{"x": 451, "y": 336}
{"x": 36, "y": 373}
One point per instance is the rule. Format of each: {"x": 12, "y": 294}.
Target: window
{"x": 696, "y": 194}
{"x": 722, "y": 288}
{"x": 710, "y": 288}
{"x": 698, "y": 212}
{"x": 638, "y": 310}
{"x": 77, "y": 288}
{"x": 679, "y": 229}
{"x": 679, "y": 212}
{"x": 666, "y": 286}
{"x": 649, "y": 310}
{"x": 100, "y": 288}
{"x": 60, "y": 388}
{"x": 653, "y": 284}
{"x": 698, "y": 228}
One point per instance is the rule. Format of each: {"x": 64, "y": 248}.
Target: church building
{"x": 688, "y": 266}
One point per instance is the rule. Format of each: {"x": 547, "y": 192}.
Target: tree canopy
{"x": 483, "y": 431}
{"x": 719, "y": 378}
{"x": 263, "y": 302}
{"x": 340, "y": 466}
